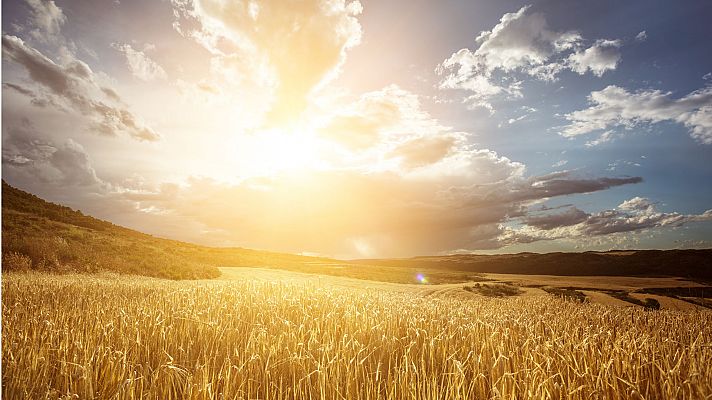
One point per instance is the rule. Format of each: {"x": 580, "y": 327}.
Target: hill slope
{"x": 40, "y": 235}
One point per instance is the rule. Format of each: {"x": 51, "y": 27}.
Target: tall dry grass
{"x": 119, "y": 337}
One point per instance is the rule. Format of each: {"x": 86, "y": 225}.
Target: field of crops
{"x": 126, "y": 337}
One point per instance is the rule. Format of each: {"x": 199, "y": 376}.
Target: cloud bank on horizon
{"x": 243, "y": 123}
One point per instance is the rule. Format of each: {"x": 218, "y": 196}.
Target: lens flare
{"x": 421, "y": 278}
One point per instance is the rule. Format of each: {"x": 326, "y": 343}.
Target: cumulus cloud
{"x": 72, "y": 86}
{"x": 363, "y": 123}
{"x": 603, "y": 56}
{"x": 521, "y": 42}
{"x": 140, "y": 64}
{"x": 292, "y": 47}
{"x": 633, "y": 215}
{"x": 46, "y": 19}
{"x": 636, "y": 204}
{"x": 424, "y": 151}
{"x": 389, "y": 124}
{"x": 617, "y": 107}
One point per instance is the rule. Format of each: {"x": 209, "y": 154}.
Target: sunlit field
{"x": 113, "y": 336}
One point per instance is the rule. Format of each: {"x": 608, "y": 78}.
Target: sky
{"x": 368, "y": 129}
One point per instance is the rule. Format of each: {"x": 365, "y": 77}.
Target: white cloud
{"x": 605, "y": 137}
{"x": 621, "y": 163}
{"x": 387, "y": 127}
{"x": 603, "y": 56}
{"x": 527, "y": 111}
{"x": 521, "y": 42}
{"x": 293, "y": 48}
{"x": 616, "y": 107}
{"x": 46, "y": 18}
{"x": 140, "y": 65}
{"x": 424, "y": 150}
{"x": 521, "y": 39}
{"x": 636, "y": 204}
{"x": 641, "y": 36}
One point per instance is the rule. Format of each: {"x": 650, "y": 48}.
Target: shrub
{"x": 568, "y": 294}
{"x": 494, "y": 290}
{"x": 651, "y": 304}
{"x": 14, "y": 261}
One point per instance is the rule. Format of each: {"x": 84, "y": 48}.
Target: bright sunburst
{"x": 385, "y": 129}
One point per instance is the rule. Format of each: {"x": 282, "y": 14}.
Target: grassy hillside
{"x": 39, "y": 235}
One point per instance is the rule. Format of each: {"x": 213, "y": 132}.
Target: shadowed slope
{"x": 39, "y": 235}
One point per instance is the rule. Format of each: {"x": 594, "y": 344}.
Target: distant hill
{"x": 40, "y": 235}
{"x": 694, "y": 264}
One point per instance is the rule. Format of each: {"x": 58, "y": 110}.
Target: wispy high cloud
{"x": 139, "y": 63}
{"x": 615, "y": 107}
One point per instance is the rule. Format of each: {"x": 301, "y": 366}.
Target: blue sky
{"x": 368, "y": 129}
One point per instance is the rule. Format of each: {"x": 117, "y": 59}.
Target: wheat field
{"x": 117, "y": 337}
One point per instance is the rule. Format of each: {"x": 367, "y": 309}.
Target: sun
{"x": 275, "y": 151}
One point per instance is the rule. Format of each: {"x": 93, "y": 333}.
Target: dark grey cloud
{"x": 32, "y": 158}
{"x": 571, "y": 216}
{"x": 37, "y": 99}
{"x": 544, "y": 187}
{"x": 19, "y": 89}
{"x": 615, "y": 221}
{"x": 549, "y": 186}
{"x": 634, "y": 215}
{"x": 74, "y": 85}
